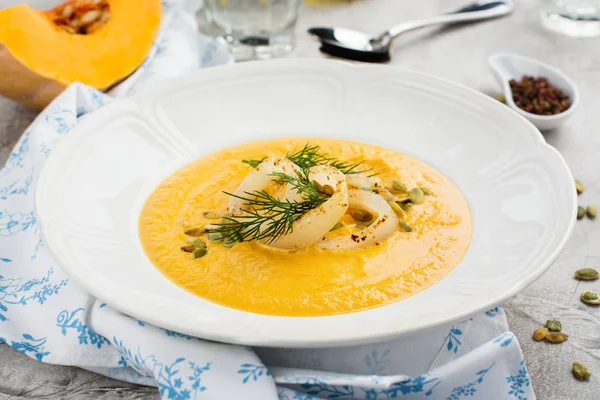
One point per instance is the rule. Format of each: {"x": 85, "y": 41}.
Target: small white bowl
{"x": 507, "y": 66}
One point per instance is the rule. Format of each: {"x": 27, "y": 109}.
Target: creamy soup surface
{"x": 311, "y": 282}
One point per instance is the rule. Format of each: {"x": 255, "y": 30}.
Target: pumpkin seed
{"x": 195, "y": 232}
{"x": 201, "y": 252}
{"x": 399, "y": 186}
{"x": 365, "y": 188}
{"x": 579, "y": 187}
{"x": 591, "y": 298}
{"x": 580, "y": 212}
{"x": 361, "y": 215}
{"x": 337, "y": 226}
{"x": 405, "y": 206}
{"x": 396, "y": 208}
{"x": 328, "y": 190}
{"x": 89, "y": 17}
{"x": 554, "y": 325}
{"x": 404, "y": 226}
{"x": 67, "y": 11}
{"x": 317, "y": 186}
{"x": 556, "y": 337}
{"x": 211, "y": 215}
{"x": 540, "y": 334}
{"x": 591, "y": 211}
{"x": 416, "y": 196}
{"x": 580, "y": 371}
{"x": 214, "y": 236}
{"x": 187, "y": 249}
{"x": 500, "y": 97}
{"x": 586, "y": 274}
{"x": 196, "y": 242}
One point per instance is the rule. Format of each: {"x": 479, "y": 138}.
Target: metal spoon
{"x": 351, "y": 44}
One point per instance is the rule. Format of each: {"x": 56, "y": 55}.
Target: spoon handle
{"x": 479, "y": 10}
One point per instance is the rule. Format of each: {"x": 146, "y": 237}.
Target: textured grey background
{"x": 458, "y": 54}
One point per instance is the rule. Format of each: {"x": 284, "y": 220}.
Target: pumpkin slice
{"x": 95, "y": 42}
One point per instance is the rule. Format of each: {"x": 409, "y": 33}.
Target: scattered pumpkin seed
{"x": 196, "y": 242}
{"x": 317, "y": 186}
{"x": 396, "y": 208}
{"x": 214, "y": 236}
{"x": 399, "y": 186}
{"x": 591, "y": 298}
{"x": 580, "y": 212}
{"x": 187, "y": 249}
{"x": 554, "y": 325}
{"x": 211, "y": 215}
{"x": 404, "y": 226}
{"x": 586, "y": 274}
{"x": 580, "y": 371}
{"x": 591, "y": 211}
{"x": 365, "y": 188}
{"x": 556, "y": 337}
{"x": 361, "y": 215}
{"x": 500, "y": 97}
{"x": 416, "y": 196}
{"x": 328, "y": 190}
{"x": 579, "y": 187}
{"x": 195, "y": 232}
{"x": 337, "y": 226}
{"x": 201, "y": 252}
{"x": 540, "y": 334}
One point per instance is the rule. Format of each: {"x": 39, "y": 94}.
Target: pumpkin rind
{"x": 57, "y": 58}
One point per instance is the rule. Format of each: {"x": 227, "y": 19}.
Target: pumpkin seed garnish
{"x": 187, "y": 249}
{"x": 579, "y": 187}
{"x": 540, "y": 334}
{"x": 365, "y": 188}
{"x": 337, "y": 226}
{"x": 416, "y": 196}
{"x": 399, "y": 186}
{"x": 556, "y": 337}
{"x": 317, "y": 186}
{"x": 195, "y": 232}
{"x": 554, "y": 325}
{"x": 404, "y": 226}
{"x": 580, "y": 212}
{"x": 201, "y": 252}
{"x": 591, "y": 298}
{"x": 211, "y": 215}
{"x": 586, "y": 274}
{"x": 405, "y": 206}
{"x": 214, "y": 236}
{"x": 328, "y": 190}
{"x": 196, "y": 242}
{"x": 396, "y": 208}
{"x": 591, "y": 211}
{"x": 580, "y": 371}
{"x": 361, "y": 215}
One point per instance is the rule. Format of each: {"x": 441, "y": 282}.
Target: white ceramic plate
{"x": 92, "y": 188}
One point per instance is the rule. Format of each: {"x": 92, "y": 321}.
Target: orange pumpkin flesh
{"x": 38, "y": 58}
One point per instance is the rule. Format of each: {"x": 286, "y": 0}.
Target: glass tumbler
{"x": 572, "y": 17}
{"x": 252, "y": 29}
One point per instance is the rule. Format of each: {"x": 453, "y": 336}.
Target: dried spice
{"x": 580, "y": 371}
{"x": 537, "y": 96}
{"x": 540, "y": 334}
{"x": 586, "y": 274}
{"x": 554, "y": 325}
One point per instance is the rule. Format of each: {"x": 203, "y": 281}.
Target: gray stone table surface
{"x": 459, "y": 54}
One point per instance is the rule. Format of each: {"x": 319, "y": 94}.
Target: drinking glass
{"x": 572, "y": 17}
{"x": 252, "y": 29}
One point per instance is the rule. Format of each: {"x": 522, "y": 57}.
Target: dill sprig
{"x": 266, "y": 217}
{"x": 311, "y": 155}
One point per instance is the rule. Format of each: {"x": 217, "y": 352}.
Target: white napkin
{"x": 46, "y": 316}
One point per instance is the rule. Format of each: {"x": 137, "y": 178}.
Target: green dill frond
{"x": 309, "y": 156}
{"x": 254, "y": 163}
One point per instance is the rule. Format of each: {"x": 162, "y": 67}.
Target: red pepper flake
{"x": 538, "y": 96}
